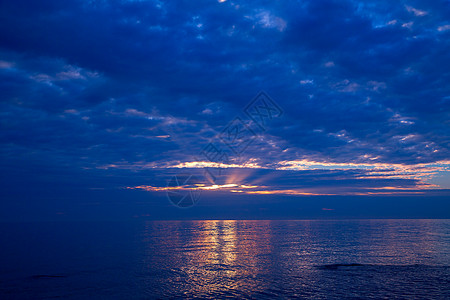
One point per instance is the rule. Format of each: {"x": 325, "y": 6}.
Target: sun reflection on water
{"x": 229, "y": 258}
{"x": 210, "y": 256}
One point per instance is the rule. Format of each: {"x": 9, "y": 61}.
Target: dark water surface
{"x": 219, "y": 259}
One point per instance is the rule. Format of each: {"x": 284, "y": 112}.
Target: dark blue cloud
{"x": 113, "y": 87}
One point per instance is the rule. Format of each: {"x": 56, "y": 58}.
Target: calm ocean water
{"x": 400, "y": 259}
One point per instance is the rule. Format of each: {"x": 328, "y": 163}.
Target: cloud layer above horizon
{"x": 137, "y": 90}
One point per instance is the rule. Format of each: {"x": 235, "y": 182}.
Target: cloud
{"x": 415, "y": 11}
{"x": 311, "y": 178}
{"x": 265, "y": 19}
{"x": 143, "y": 86}
{"x": 444, "y": 27}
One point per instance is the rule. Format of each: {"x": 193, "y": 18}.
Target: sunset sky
{"x": 342, "y": 108}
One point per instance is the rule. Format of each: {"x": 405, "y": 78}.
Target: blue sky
{"x": 102, "y": 102}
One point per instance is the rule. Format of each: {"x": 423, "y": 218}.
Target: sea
{"x": 226, "y": 259}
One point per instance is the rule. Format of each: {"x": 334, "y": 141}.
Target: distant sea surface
{"x": 391, "y": 259}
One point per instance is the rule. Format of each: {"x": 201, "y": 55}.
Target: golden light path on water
{"x": 221, "y": 257}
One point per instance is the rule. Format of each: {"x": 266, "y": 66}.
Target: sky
{"x": 244, "y": 109}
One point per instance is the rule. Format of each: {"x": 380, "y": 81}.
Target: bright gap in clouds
{"x": 391, "y": 179}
